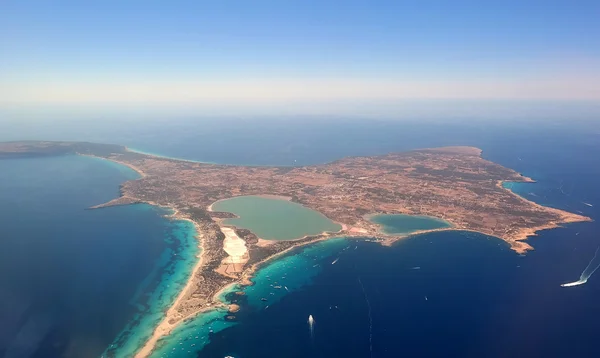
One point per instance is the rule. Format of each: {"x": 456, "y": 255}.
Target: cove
{"x": 274, "y": 219}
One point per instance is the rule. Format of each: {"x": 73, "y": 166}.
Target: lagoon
{"x": 273, "y": 218}
{"x": 406, "y": 224}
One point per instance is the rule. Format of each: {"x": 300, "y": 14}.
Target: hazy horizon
{"x": 405, "y": 110}
{"x": 276, "y": 58}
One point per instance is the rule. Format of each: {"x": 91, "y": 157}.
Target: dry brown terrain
{"x": 453, "y": 183}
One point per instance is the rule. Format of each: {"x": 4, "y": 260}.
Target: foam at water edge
{"x": 587, "y": 273}
{"x": 177, "y": 268}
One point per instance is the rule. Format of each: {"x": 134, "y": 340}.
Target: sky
{"x": 224, "y": 54}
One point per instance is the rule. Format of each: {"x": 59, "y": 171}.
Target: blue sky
{"x": 272, "y": 51}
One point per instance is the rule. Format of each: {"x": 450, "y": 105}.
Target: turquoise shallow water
{"x": 161, "y": 286}
{"x": 291, "y": 272}
{"x": 274, "y": 219}
{"x": 174, "y": 267}
{"x": 406, "y": 224}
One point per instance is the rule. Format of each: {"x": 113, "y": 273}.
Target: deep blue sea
{"x": 447, "y": 294}
{"x": 71, "y": 279}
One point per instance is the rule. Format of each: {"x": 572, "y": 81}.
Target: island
{"x": 451, "y": 183}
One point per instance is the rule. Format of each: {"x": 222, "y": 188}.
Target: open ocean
{"x": 445, "y": 294}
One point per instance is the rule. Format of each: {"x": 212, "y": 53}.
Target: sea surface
{"x": 274, "y": 219}
{"x": 442, "y": 294}
{"x": 72, "y": 280}
{"x": 406, "y": 224}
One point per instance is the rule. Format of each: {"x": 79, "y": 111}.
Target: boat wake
{"x": 311, "y": 327}
{"x": 587, "y": 273}
{"x": 370, "y": 317}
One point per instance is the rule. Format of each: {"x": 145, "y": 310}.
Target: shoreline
{"x": 133, "y": 150}
{"x": 164, "y": 328}
{"x": 220, "y": 221}
{"x": 265, "y": 196}
{"x": 245, "y": 280}
{"x": 134, "y": 168}
{"x": 381, "y": 227}
{"x": 344, "y": 190}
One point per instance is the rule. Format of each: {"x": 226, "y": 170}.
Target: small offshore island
{"x": 453, "y": 184}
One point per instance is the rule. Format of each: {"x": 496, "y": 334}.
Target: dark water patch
{"x": 470, "y": 294}
{"x": 72, "y": 278}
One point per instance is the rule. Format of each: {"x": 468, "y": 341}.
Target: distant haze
{"x": 299, "y": 57}
{"x": 399, "y": 110}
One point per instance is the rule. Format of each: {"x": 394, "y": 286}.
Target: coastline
{"x": 164, "y": 328}
{"x": 134, "y": 168}
{"x": 222, "y": 224}
{"x": 133, "y": 150}
{"x": 381, "y": 227}
{"x": 247, "y": 276}
{"x": 516, "y": 244}
{"x": 347, "y": 231}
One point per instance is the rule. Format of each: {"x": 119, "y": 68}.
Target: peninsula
{"x": 453, "y": 183}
